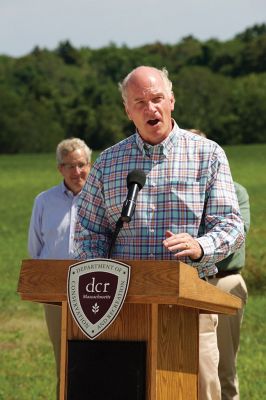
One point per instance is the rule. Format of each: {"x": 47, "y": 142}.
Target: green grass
{"x": 251, "y": 359}
{"x": 26, "y": 359}
{"x": 248, "y": 167}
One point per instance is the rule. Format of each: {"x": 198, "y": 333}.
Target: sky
{"x": 25, "y": 24}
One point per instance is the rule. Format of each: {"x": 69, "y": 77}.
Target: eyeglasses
{"x": 71, "y": 167}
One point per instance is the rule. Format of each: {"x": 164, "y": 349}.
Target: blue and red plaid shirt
{"x": 188, "y": 188}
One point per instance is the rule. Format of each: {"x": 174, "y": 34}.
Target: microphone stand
{"x": 118, "y": 226}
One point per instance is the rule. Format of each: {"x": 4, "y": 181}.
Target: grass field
{"x": 26, "y": 361}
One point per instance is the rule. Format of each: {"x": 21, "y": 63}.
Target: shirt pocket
{"x": 184, "y": 203}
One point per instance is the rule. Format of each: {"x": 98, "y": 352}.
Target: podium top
{"x": 151, "y": 282}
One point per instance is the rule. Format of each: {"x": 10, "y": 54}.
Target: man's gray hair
{"x": 68, "y": 145}
{"x": 163, "y": 72}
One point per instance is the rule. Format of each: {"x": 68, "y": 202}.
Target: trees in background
{"x": 46, "y": 96}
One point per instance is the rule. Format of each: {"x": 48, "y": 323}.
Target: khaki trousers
{"x": 53, "y": 322}
{"x": 209, "y": 383}
{"x": 228, "y": 334}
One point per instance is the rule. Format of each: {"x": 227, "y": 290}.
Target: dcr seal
{"x": 96, "y": 290}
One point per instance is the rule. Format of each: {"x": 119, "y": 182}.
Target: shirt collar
{"x": 67, "y": 191}
{"x": 161, "y": 150}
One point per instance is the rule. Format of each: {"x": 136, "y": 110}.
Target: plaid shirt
{"x": 188, "y": 188}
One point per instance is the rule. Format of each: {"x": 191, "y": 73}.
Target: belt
{"x": 223, "y": 274}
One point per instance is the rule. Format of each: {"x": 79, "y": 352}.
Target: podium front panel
{"x": 106, "y": 370}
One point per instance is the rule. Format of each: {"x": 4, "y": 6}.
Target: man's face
{"x": 149, "y": 105}
{"x": 75, "y": 169}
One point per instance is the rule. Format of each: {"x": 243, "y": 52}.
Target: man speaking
{"x": 186, "y": 210}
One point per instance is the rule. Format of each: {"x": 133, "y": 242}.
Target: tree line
{"x": 46, "y": 96}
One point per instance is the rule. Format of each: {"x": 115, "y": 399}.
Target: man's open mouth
{"x": 153, "y": 122}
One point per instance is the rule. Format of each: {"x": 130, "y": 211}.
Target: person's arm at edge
{"x": 243, "y": 201}
{"x": 35, "y": 242}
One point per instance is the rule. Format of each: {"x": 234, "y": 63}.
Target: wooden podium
{"x": 161, "y": 309}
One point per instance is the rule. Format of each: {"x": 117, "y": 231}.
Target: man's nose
{"x": 151, "y": 106}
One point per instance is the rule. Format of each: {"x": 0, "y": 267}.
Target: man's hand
{"x": 183, "y": 245}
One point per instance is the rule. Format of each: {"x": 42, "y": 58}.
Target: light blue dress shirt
{"x": 52, "y": 224}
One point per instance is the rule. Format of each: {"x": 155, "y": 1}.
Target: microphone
{"x": 135, "y": 181}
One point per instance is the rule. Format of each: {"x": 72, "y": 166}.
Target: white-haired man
{"x": 187, "y": 209}
{"x": 52, "y": 224}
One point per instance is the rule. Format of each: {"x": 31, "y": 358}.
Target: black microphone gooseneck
{"x": 135, "y": 181}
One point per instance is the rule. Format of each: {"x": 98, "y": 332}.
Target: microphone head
{"x": 136, "y": 176}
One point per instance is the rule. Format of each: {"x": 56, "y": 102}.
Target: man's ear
{"x": 127, "y": 112}
{"x": 60, "y": 168}
{"x": 172, "y": 101}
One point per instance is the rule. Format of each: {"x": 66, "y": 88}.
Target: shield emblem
{"x": 96, "y": 291}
